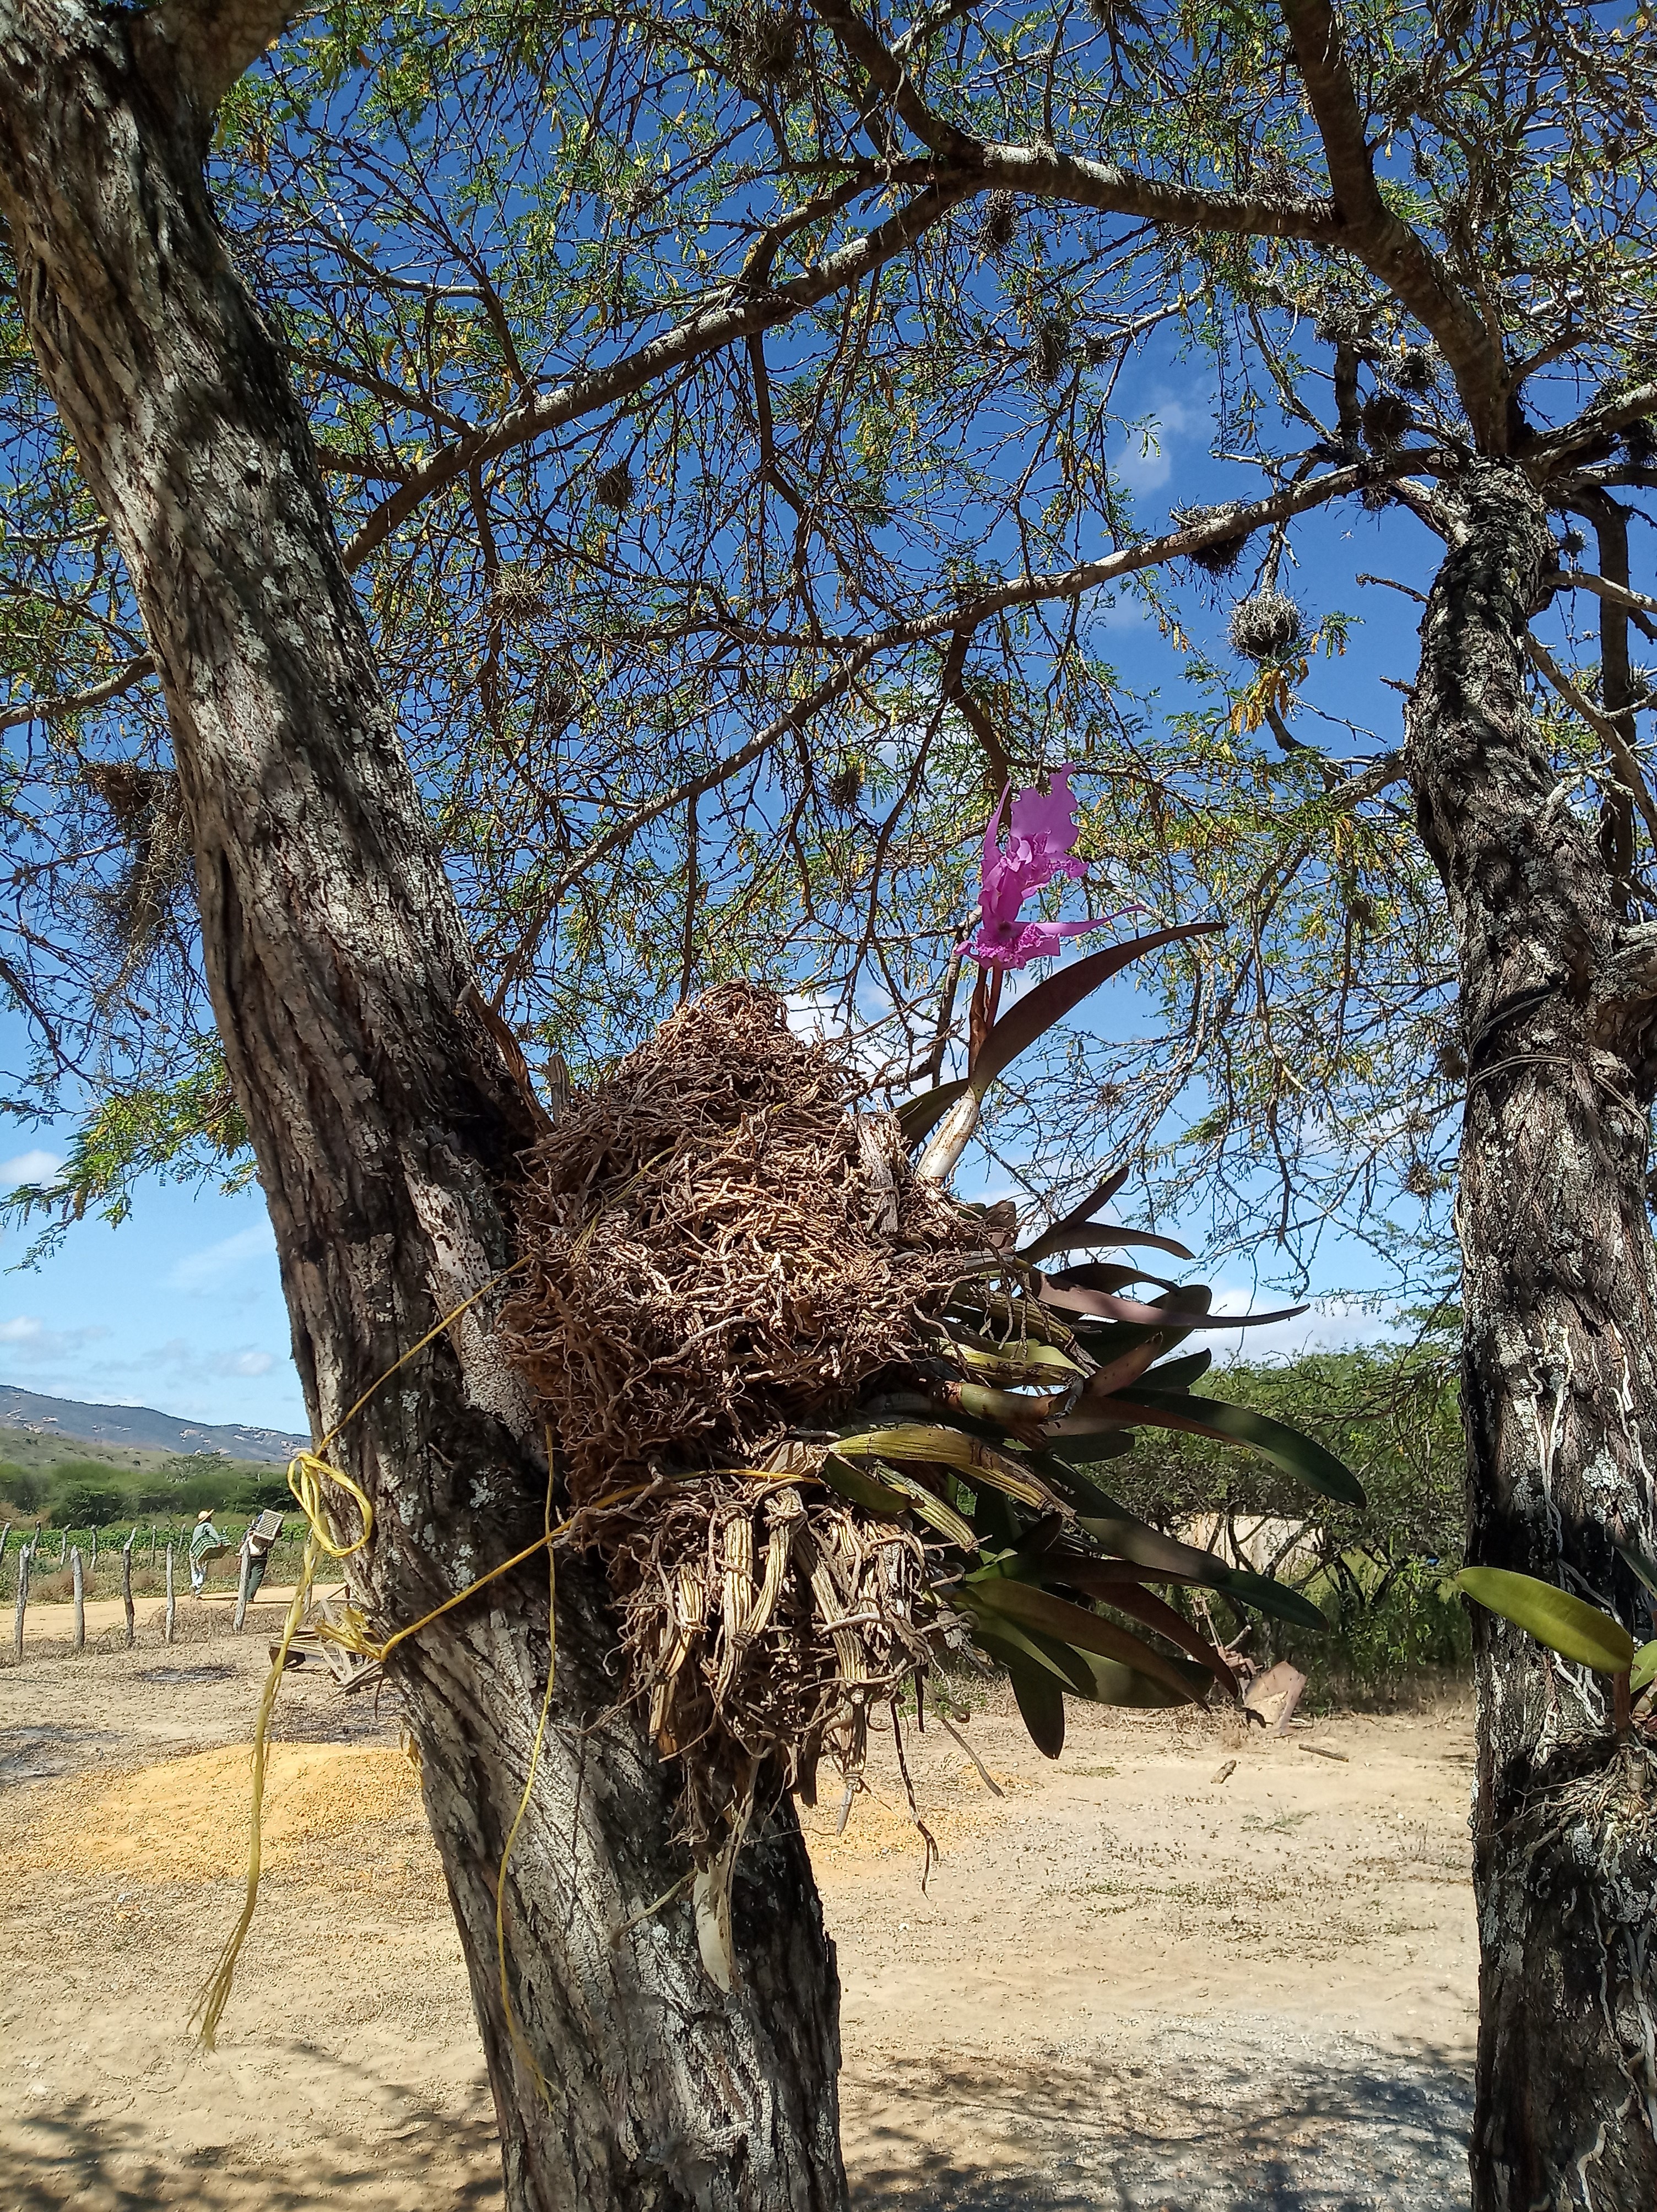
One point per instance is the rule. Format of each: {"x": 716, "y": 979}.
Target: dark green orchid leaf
{"x": 1083, "y": 1673}
{"x": 1101, "y": 1578}
{"x": 1052, "y": 1238}
{"x": 1179, "y": 1374}
{"x": 1639, "y": 1566}
{"x": 1036, "y": 1012}
{"x": 917, "y": 1117}
{"x": 1127, "y": 1536}
{"x": 1297, "y": 1455}
{"x": 1145, "y": 1606}
{"x": 1033, "y": 1607}
{"x": 1569, "y": 1626}
{"x": 1011, "y": 1645}
{"x": 1102, "y": 1235}
{"x": 1267, "y": 1595}
{"x": 1185, "y": 1306}
{"x": 1041, "y": 1707}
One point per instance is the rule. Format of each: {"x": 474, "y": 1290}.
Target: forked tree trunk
{"x": 1559, "y": 1381}
{"x": 387, "y": 1126}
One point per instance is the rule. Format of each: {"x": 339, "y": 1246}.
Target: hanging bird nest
{"x": 1386, "y": 420}
{"x": 1267, "y": 626}
{"x": 147, "y": 807}
{"x": 1220, "y": 554}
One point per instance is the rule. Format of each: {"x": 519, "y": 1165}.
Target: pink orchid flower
{"x": 1041, "y": 836}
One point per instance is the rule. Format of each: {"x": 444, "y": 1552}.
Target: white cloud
{"x": 215, "y": 1264}
{"x": 1145, "y": 462}
{"x": 28, "y": 1167}
{"x": 243, "y": 1362}
{"x": 37, "y": 1349}
{"x": 1330, "y": 1324}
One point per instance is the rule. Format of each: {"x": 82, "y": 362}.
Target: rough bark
{"x": 1559, "y": 1380}
{"x": 386, "y": 1124}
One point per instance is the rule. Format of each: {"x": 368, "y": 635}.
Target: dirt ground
{"x": 1132, "y": 1988}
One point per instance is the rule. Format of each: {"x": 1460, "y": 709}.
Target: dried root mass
{"x": 719, "y": 1249}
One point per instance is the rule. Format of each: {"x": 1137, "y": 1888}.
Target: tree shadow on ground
{"x": 1188, "y": 2119}
{"x": 75, "y": 2155}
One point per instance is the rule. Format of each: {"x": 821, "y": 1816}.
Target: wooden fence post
{"x": 126, "y": 1586}
{"x": 22, "y": 1602}
{"x": 167, "y": 1631}
{"x": 238, "y": 1623}
{"x": 5, "y": 1538}
{"x": 62, "y": 1547}
{"x": 80, "y": 1598}
{"x": 93, "y": 1567}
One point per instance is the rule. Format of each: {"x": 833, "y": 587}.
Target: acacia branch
{"x": 1620, "y": 595}
{"x": 1629, "y": 772}
{"x": 78, "y": 702}
{"x": 742, "y": 314}
{"x": 1043, "y": 172}
{"x": 857, "y": 652}
{"x": 1386, "y": 244}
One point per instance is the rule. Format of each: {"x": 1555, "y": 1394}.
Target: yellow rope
{"x": 306, "y": 1473}
{"x": 520, "y": 2039}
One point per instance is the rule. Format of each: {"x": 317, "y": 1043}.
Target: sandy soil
{"x": 50, "y": 1627}
{"x": 1131, "y": 1988}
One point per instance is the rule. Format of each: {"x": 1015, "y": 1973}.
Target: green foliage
{"x": 84, "y": 1504}
{"x": 22, "y": 1488}
{"x": 1383, "y": 1579}
{"x": 1569, "y": 1626}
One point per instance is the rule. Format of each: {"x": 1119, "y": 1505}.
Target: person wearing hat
{"x": 205, "y": 1544}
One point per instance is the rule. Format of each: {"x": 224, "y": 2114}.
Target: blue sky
{"x": 180, "y": 1308}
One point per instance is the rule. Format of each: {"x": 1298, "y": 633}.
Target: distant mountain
{"x": 140, "y": 1428}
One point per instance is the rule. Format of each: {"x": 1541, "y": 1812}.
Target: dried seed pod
{"x": 1267, "y": 627}
{"x": 786, "y": 1512}
{"x": 736, "y": 1600}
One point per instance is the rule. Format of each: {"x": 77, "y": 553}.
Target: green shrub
{"x": 23, "y": 1491}
{"x": 84, "y": 1505}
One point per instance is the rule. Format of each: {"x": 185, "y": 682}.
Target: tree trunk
{"x": 1559, "y": 1381}
{"x": 386, "y": 1124}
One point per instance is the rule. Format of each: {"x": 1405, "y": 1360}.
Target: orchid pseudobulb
{"x": 1041, "y": 835}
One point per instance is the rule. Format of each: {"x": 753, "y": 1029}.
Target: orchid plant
{"x": 1040, "y": 845}
{"x": 1036, "y": 846}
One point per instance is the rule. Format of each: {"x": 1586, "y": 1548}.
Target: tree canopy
{"x": 724, "y": 411}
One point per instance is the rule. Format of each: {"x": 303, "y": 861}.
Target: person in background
{"x": 205, "y": 1542}
{"x": 257, "y": 1543}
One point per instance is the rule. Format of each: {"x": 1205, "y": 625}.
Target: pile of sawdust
{"x": 186, "y": 1819}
